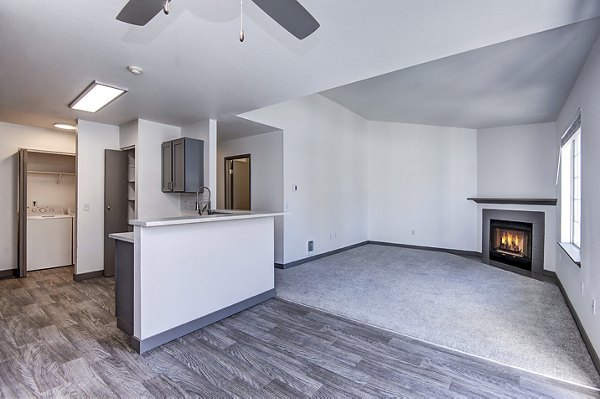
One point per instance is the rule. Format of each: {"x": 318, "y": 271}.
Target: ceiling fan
{"x": 290, "y": 14}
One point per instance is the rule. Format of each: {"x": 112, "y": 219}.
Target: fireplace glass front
{"x": 510, "y": 243}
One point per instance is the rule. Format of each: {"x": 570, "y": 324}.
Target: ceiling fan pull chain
{"x": 242, "y": 36}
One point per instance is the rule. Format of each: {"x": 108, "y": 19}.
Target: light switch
{"x": 86, "y": 207}
{"x": 294, "y": 187}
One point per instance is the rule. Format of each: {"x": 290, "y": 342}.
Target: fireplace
{"x": 523, "y": 248}
{"x": 510, "y": 243}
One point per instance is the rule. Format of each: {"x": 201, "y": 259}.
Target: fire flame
{"x": 511, "y": 241}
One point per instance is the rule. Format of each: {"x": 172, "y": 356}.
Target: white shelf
{"x": 59, "y": 175}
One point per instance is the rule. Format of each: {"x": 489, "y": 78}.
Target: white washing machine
{"x": 49, "y": 238}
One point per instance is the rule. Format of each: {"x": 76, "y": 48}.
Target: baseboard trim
{"x": 89, "y": 275}
{"x": 550, "y": 273}
{"x": 144, "y": 345}
{"x": 319, "y": 256}
{"x": 9, "y": 273}
{"x": 451, "y": 251}
{"x": 584, "y": 336}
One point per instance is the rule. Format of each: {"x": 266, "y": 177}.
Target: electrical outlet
{"x": 86, "y": 207}
{"x": 311, "y": 246}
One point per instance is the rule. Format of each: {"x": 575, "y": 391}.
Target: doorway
{"x": 46, "y": 197}
{"x": 238, "y": 182}
{"x": 119, "y": 200}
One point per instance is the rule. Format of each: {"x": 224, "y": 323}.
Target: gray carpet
{"x": 447, "y": 300}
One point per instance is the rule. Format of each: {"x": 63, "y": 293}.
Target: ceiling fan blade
{"x": 140, "y": 12}
{"x": 290, "y": 15}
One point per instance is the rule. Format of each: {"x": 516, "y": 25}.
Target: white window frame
{"x": 576, "y": 189}
{"x": 571, "y": 185}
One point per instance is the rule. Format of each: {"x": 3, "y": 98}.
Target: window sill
{"x": 573, "y": 252}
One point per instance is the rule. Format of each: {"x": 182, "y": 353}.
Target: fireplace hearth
{"x": 510, "y": 243}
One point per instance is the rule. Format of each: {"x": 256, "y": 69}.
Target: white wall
{"x": 92, "y": 139}
{"x": 325, "y": 155}
{"x": 128, "y": 134}
{"x": 419, "y": 180}
{"x": 45, "y": 190}
{"x": 266, "y": 176}
{"x": 13, "y": 137}
{"x": 517, "y": 161}
{"x": 151, "y": 201}
{"x": 585, "y": 95}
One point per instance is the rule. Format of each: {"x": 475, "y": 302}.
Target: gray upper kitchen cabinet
{"x": 182, "y": 165}
{"x": 167, "y": 166}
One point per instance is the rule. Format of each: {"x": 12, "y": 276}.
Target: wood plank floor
{"x": 59, "y": 338}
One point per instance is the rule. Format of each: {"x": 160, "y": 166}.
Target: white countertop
{"x": 232, "y": 215}
{"x": 127, "y": 237}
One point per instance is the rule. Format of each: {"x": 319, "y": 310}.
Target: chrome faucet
{"x": 206, "y": 209}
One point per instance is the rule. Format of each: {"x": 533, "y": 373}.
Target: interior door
{"x": 241, "y": 184}
{"x": 115, "y": 203}
{"x": 22, "y": 213}
{"x": 238, "y": 182}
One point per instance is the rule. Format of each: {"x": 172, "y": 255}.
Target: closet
{"x": 46, "y": 198}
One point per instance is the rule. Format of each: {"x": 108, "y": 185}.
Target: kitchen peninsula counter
{"x": 191, "y": 271}
{"x": 192, "y": 219}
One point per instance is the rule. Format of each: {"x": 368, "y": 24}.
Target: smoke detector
{"x": 136, "y": 70}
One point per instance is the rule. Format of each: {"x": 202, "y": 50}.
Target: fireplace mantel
{"x": 515, "y": 201}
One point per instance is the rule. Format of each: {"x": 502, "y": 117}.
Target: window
{"x": 576, "y": 192}
{"x": 571, "y": 184}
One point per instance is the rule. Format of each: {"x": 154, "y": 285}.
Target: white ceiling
{"x": 520, "y": 81}
{"x": 195, "y": 67}
{"x": 233, "y": 127}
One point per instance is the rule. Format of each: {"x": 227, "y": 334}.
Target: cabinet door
{"x": 167, "y": 167}
{"x": 178, "y": 165}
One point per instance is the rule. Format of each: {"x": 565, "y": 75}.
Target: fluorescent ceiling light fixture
{"x": 65, "y": 126}
{"x": 95, "y": 97}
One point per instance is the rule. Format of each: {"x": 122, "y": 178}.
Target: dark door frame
{"x": 232, "y": 158}
{"x": 22, "y": 213}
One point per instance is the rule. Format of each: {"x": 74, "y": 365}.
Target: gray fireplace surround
{"x": 537, "y": 246}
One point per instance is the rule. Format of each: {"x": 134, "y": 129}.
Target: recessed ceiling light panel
{"x": 95, "y": 97}
{"x": 65, "y": 126}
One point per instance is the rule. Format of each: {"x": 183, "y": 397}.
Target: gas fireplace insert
{"x": 510, "y": 243}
